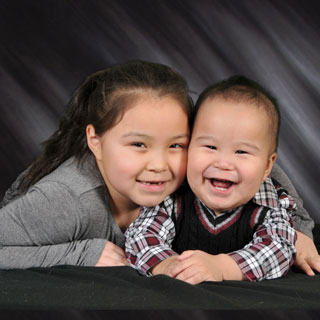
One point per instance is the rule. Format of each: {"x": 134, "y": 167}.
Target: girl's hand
{"x": 307, "y": 258}
{"x": 112, "y": 255}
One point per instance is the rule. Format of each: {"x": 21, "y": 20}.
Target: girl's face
{"x": 143, "y": 158}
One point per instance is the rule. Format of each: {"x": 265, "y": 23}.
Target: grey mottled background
{"x": 48, "y": 47}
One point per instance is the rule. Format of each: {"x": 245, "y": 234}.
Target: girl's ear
{"x": 93, "y": 141}
{"x": 271, "y": 161}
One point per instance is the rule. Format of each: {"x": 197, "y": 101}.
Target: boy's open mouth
{"x": 221, "y": 184}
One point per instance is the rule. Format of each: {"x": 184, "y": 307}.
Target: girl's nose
{"x": 158, "y": 162}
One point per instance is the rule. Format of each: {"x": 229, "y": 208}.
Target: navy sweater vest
{"x": 221, "y": 234}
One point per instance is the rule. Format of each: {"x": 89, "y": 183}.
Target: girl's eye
{"x": 138, "y": 144}
{"x": 176, "y": 145}
{"x": 211, "y": 147}
{"x": 241, "y": 152}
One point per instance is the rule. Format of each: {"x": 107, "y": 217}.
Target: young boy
{"x": 234, "y": 213}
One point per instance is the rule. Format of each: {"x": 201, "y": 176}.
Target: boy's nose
{"x": 223, "y": 163}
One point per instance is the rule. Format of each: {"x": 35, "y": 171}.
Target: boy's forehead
{"x": 228, "y": 114}
{"x": 219, "y": 110}
{"x": 218, "y": 106}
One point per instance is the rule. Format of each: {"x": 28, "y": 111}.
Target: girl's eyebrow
{"x": 134, "y": 134}
{"x": 143, "y": 135}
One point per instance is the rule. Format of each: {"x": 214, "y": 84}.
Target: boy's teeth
{"x": 221, "y": 184}
{"x": 223, "y": 189}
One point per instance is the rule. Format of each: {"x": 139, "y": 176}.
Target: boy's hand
{"x": 307, "y": 255}
{"x": 165, "y": 266}
{"x": 198, "y": 266}
{"x": 112, "y": 255}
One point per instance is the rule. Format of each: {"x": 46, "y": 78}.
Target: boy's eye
{"x": 241, "y": 152}
{"x": 138, "y": 144}
{"x": 211, "y": 147}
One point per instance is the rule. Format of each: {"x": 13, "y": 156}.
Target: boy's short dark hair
{"x": 242, "y": 89}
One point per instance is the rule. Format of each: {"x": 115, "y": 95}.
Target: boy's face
{"x": 230, "y": 153}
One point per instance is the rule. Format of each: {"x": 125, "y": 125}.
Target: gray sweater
{"x": 65, "y": 218}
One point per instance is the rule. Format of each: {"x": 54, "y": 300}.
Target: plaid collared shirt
{"x": 269, "y": 255}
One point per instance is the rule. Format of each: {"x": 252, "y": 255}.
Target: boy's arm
{"x": 149, "y": 237}
{"x": 269, "y": 255}
{"x": 271, "y": 252}
{"x": 300, "y": 217}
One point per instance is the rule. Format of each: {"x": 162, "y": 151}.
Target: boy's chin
{"x": 220, "y": 211}
{"x": 219, "y": 208}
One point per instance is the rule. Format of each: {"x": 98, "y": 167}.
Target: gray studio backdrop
{"x": 48, "y": 47}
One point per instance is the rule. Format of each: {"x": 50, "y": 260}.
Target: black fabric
{"x": 123, "y": 288}
{"x": 192, "y": 234}
{"x": 116, "y": 288}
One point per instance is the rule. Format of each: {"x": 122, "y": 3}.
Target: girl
{"x": 122, "y": 144}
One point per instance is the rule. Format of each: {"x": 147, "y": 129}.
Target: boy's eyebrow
{"x": 184, "y": 135}
{"x": 204, "y": 138}
{"x": 247, "y": 144}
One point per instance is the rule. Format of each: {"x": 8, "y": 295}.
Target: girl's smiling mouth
{"x": 152, "y": 185}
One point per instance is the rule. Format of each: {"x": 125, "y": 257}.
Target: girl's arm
{"x": 44, "y": 228}
{"x": 72, "y": 253}
{"x": 307, "y": 258}
{"x": 301, "y": 218}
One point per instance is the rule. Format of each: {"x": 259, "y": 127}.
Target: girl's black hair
{"x": 101, "y": 101}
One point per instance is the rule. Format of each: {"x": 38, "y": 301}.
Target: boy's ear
{"x": 272, "y": 159}
{"x": 93, "y": 141}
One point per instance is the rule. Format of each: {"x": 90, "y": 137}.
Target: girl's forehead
{"x": 155, "y": 103}
{"x": 154, "y": 112}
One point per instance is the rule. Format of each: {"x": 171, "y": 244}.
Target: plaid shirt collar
{"x": 267, "y": 195}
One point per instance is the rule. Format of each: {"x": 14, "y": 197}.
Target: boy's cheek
{"x": 196, "y": 161}
{"x": 194, "y": 174}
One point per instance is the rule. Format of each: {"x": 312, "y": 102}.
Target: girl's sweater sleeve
{"x": 44, "y": 228}
{"x": 300, "y": 217}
